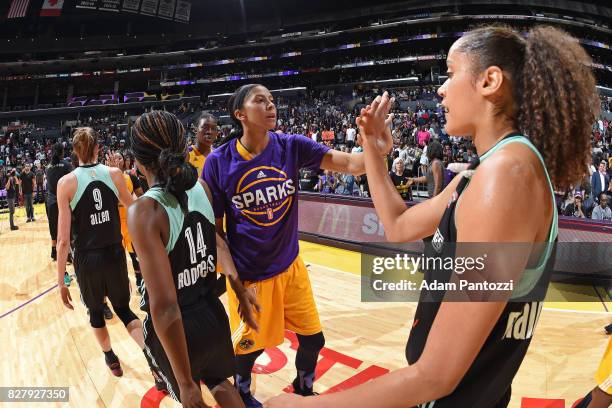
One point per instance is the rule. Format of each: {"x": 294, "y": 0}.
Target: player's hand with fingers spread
{"x": 374, "y": 123}
{"x": 66, "y": 298}
{"x": 191, "y": 396}
{"x": 247, "y": 299}
{"x": 284, "y": 401}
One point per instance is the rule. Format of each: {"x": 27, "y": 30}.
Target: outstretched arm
{"x": 124, "y": 194}
{"x": 401, "y": 224}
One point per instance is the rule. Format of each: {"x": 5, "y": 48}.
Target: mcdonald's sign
{"x": 340, "y": 220}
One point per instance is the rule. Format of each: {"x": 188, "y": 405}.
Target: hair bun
{"x": 180, "y": 176}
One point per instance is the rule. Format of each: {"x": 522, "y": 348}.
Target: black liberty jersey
{"x": 95, "y": 214}
{"x": 487, "y": 383}
{"x": 191, "y": 247}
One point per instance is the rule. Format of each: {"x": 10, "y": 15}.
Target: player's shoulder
{"x": 146, "y": 211}
{"x": 220, "y": 154}
{"x": 67, "y": 182}
{"x": 515, "y": 161}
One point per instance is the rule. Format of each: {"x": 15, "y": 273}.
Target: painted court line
{"x": 29, "y": 301}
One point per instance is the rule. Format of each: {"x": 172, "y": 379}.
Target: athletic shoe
{"x": 28, "y": 220}
{"x": 244, "y": 390}
{"x": 302, "y": 385}
{"x": 115, "y": 368}
{"x": 67, "y": 279}
{"x": 108, "y": 314}
{"x": 14, "y": 228}
{"x": 54, "y": 253}
{"x": 608, "y": 329}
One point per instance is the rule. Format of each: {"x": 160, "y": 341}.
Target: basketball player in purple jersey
{"x": 253, "y": 178}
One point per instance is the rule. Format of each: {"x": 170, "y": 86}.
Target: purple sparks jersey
{"x": 259, "y": 199}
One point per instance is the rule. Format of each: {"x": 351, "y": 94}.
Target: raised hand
{"x": 374, "y": 123}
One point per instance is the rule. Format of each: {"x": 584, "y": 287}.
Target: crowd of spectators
{"x": 423, "y": 160}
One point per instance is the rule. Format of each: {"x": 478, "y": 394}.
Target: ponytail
{"x": 554, "y": 94}
{"x": 559, "y": 102}
{"x": 84, "y": 142}
{"x": 236, "y": 101}
{"x": 179, "y": 175}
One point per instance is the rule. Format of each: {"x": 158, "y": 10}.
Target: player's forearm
{"x": 405, "y": 387}
{"x": 62, "y": 246}
{"x": 356, "y": 164}
{"x": 224, "y": 259}
{"x": 389, "y": 204}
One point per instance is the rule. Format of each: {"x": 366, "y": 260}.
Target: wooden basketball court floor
{"x": 44, "y": 344}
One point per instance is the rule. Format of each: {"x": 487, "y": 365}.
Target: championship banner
{"x": 131, "y": 6}
{"x": 183, "y": 11}
{"x": 87, "y": 4}
{"x": 52, "y": 8}
{"x": 110, "y": 5}
{"x": 166, "y": 9}
{"x": 149, "y": 7}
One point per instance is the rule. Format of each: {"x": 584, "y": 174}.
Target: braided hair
{"x": 159, "y": 143}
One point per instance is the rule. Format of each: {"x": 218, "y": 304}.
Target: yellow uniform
{"x": 127, "y": 241}
{"x": 286, "y": 302}
{"x": 197, "y": 159}
{"x": 257, "y": 195}
{"x": 604, "y": 372}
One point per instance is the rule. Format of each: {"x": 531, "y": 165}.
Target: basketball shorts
{"x": 52, "y": 216}
{"x": 103, "y": 273}
{"x": 209, "y": 347}
{"x": 604, "y": 372}
{"x": 286, "y": 302}
{"x": 127, "y": 241}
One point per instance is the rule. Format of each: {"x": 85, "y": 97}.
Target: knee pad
{"x": 313, "y": 342}
{"x": 96, "y": 319}
{"x": 125, "y": 314}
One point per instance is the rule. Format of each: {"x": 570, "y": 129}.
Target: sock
{"x": 110, "y": 357}
{"x": 244, "y": 366}
{"x": 53, "y": 252}
{"x": 243, "y": 384}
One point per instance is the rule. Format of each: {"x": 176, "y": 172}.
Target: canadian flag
{"x": 52, "y": 8}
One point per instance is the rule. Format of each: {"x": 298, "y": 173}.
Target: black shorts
{"x": 103, "y": 273}
{"x": 209, "y": 346}
{"x": 52, "y": 215}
